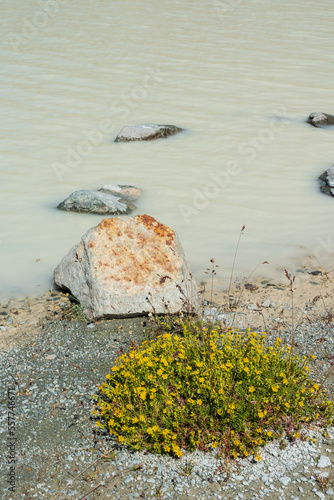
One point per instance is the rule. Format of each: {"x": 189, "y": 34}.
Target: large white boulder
{"x": 128, "y": 267}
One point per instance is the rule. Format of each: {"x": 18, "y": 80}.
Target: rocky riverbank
{"x": 55, "y": 359}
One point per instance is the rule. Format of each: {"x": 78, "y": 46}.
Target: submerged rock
{"x": 128, "y": 267}
{"x": 146, "y": 132}
{"x": 327, "y": 182}
{"x": 320, "y": 119}
{"x": 109, "y": 200}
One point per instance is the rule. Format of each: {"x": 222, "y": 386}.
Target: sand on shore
{"x": 20, "y": 319}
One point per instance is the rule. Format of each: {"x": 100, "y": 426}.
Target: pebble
{"x": 266, "y": 302}
{"x": 252, "y": 307}
{"x": 285, "y": 480}
{"x": 323, "y": 462}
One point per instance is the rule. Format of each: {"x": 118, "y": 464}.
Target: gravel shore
{"x": 59, "y": 454}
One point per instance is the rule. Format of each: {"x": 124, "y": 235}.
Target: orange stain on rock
{"x": 159, "y": 229}
{"x": 142, "y": 258}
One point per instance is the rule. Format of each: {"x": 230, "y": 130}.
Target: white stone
{"x": 323, "y": 462}
{"x": 285, "y": 480}
{"x": 266, "y": 302}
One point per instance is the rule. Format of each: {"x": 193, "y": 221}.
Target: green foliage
{"x": 203, "y": 388}
{"x": 77, "y": 313}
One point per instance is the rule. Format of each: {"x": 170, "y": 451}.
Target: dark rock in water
{"x": 146, "y": 132}
{"x": 109, "y": 200}
{"x": 320, "y": 119}
{"x": 327, "y": 182}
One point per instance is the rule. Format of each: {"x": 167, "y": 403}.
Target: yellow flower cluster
{"x": 208, "y": 389}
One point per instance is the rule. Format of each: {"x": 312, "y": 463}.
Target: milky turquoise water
{"x": 241, "y": 77}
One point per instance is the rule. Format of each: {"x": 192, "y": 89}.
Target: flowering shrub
{"x": 202, "y": 388}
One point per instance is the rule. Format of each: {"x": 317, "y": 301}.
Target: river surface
{"x": 240, "y": 77}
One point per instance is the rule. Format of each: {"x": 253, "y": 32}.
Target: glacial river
{"x": 240, "y": 76}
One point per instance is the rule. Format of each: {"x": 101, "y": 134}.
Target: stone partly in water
{"x": 146, "y": 132}
{"x": 327, "y": 182}
{"x": 320, "y": 119}
{"x": 109, "y": 200}
{"x": 129, "y": 267}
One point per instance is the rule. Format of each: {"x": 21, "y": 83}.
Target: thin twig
{"x": 95, "y": 488}
{"x": 232, "y": 270}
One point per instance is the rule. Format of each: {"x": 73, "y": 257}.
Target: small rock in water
{"x": 320, "y": 119}
{"x": 130, "y": 192}
{"x": 109, "y": 200}
{"x": 146, "y": 132}
{"x": 327, "y": 182}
